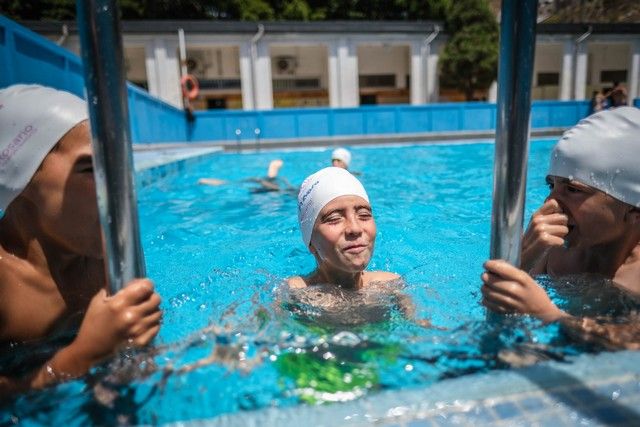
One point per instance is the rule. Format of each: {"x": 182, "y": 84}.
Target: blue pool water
{"x": 219, "y": 254}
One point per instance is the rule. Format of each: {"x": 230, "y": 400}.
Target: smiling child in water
{"x": 339, "y": 229}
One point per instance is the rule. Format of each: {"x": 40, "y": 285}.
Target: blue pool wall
{"x": 374, "y": 120}
{"x": 26, "y": 57}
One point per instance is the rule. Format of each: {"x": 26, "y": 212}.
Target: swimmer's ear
{"x": 315, "y": 253}
{"x": 633, "y": 215}
{"x": 312, "y": 249}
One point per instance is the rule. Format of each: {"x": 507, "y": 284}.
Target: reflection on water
{"x": 329, "y": 305}
{"x": 589, "y": 295}
{"x": 317, "y": 346}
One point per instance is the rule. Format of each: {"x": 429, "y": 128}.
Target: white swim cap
{"x": 341, "y": 154}
{"x": 603, "y": 151}
{"x": 321, "y": 188}
{"x": 33, "y": 119}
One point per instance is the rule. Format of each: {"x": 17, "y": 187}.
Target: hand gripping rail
{"x": 517, "y": 46}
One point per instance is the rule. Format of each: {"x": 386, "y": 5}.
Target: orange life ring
{"x": 190, "y": 86}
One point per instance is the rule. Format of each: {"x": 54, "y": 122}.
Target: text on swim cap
{"x": 17, "y": 142}
{"x": 306, "y": 194}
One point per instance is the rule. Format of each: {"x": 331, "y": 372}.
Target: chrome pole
{"x": 101, "y": 45}
{"x": 517, "y": 47}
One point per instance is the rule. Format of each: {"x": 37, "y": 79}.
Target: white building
{"x": 345, "y": 64}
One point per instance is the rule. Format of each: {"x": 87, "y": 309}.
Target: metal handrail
{"x": 101, "y": 45}
{"x": 517, "y": 47}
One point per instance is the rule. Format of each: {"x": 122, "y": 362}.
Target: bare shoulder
{"x": 296, "y": 282}
{"x": 9, "y": 270}
{"x": 381, "y": 276}
{"x": 9, "y": 280}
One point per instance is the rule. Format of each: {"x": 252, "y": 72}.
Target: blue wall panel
{"x": 379, "y": 120}
{"x": 6, "y": 74}
{"x": 414, "y": 119}
{"x": 246, "y": 123}
{"x": 313, "y": 123}
{"x": 153, "y": 120}
{"x": 446, "y": 117}
{"x": 276, "y": 124}
{"x": 348, "y": 121}
{"x": 540, "y": 117}
{"x": 209, "y": 127}
{"x": 478, "y": 117}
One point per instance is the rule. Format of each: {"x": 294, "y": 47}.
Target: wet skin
{"x": 342, "y": 242}
{"x": 600, "y": 230}
{"x": 53, "y": 272}
{"x": 578, "y": 230}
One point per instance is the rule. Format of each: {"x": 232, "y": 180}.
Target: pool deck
{"x": 383, "y": 139}
{"x": 159, "y": 155}
{"x": 600, "y": 390}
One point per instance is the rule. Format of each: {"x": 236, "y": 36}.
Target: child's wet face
{"x": 344, "y": 234}
{"x": 63, "y": 189}
{"x": 594, "y": 217}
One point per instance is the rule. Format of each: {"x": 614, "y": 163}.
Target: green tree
{"x": 39, "y": 9}
{"x": 19, "y": 9}
{"x": 427, "y": 9}
{"x": 470, "y": 58}
{"x": 253, "y": 10}
{"x": 296, "y": 10}
{"x": 245, "y": 10}
{"x": 379, "y": 9}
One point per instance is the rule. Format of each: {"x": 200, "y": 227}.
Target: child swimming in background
{"x": 340, "y": 157}
{"x": 339, "y": 229}
{"x": 269, "y": 182}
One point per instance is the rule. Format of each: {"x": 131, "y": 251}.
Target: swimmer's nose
{"x": 353, "y": 225}
{"x": 557, "y": 193}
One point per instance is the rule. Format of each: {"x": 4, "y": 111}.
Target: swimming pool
{"x": 218, "y": 254}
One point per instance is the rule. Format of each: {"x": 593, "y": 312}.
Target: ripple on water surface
{"x": 231, "y": 340}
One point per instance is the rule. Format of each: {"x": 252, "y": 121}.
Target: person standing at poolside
{"x": 52, "y": 286}
{"x": 590, "y": 223}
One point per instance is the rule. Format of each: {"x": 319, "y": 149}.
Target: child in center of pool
{"x": 339, "y": 229}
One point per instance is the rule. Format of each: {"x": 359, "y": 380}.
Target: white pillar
{"x": 349, "y": 72}
{"x": 566, "y": 74}
{"x": 418, "y": 77}
{"x": 433, "y": 83}
{"x": 493, "y": 92}
{"x": 634, "y": 72}
{"x": 246, "y": 77}
{"x": 173, "y": 93}
{"x": 153, "y": 78}
{"x": 334, "y": 75}
{"x": 262, "y": 77}
{"x": 163, "y": 74}
{"x": 580, "y": 82}
{"x": 343, "y": 74}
